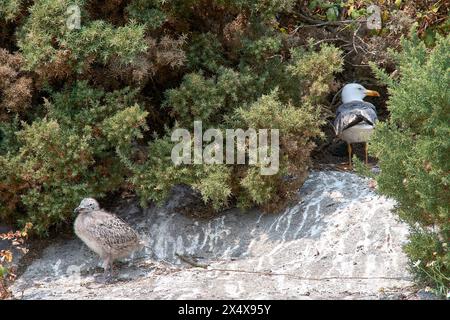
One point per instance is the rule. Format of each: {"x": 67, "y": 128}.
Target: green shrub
{"x": 90, "y": 110}
{"x": 46, "y": 41}
{"x": 147, "y": 12}
{"x": 218, "y": 184}
{"x": 413, "y": 149}
{"x": 68, "y": 155}
{"x": 205, "y": 52}
{"x": 9, "y": 9}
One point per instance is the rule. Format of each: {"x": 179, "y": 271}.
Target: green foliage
{"x": 261, "y": 48}
{"x": 9, "y": 9}
{"x": 8, "y": 139}
{"x": 430, "y": 259}
{"x": 205, "y": 52}
{"x": 90, "y": 95}
{"x": 298, "y": 126}
{"x": 265, "y": 9}
{"x": 49, "y": 162}
{"x": 315, "y": 69}
{"x": 361, "y": 168}
{"x": 103, "y": 41}
{"x": 214, "y": 184}
{"x": 147, "y": 12}
{"x": 69, "y": 154}
{"x": 124, "y": 126}
{"x": 196, "y": 98}
{"x": 45, "y": 38}
{"x": 413, "y": 150}
{"x": 220, "y": 183}
{"x": 155, "y": 178}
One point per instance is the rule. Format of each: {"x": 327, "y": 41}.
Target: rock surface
{"x": 340, "y": 240}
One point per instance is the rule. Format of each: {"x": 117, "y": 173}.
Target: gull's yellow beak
{"x": 372, "y": 93}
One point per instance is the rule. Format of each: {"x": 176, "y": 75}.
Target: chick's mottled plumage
{"x": 105, "y": 233}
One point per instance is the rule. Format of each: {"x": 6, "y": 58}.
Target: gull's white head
{"x": 87, "y": 205}
{"x": 356, "y": 92}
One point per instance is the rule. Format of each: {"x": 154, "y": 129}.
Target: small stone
{"x": 372, "y": 184}
{"x": 426, "y": 295}
{"x": 375, "y": 170}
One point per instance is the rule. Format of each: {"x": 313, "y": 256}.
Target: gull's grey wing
{"x": 352, "y": 113}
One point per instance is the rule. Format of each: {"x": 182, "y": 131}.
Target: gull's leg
{"x": 366, "y": 147}
{"x": 349, "y": 149}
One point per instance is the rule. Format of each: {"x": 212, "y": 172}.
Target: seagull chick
{"x": 355, "y": 118}
{"x": 105, "y": 233}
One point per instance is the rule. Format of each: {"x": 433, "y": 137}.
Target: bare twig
{"x": 191, "y": 262}
{"x": 324, "y": 40}
{"x": 269, "y": 273}
{"x": 335, "y": 97}
{"x": 353, "y": 39}
{"x": 319, "y": 23}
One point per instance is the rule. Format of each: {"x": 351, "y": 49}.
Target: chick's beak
{"x": 372, "y": 93}
{"x": 76, "y": 210}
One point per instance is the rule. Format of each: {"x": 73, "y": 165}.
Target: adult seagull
{"x": 355, "y": 118}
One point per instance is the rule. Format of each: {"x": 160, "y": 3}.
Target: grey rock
{"x": 426, "y": 295}
{"x": 340, "y": 241}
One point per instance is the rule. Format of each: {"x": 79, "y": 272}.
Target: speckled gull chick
{"x": 355, "y": 118}
{"x": 105, "y": 233}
